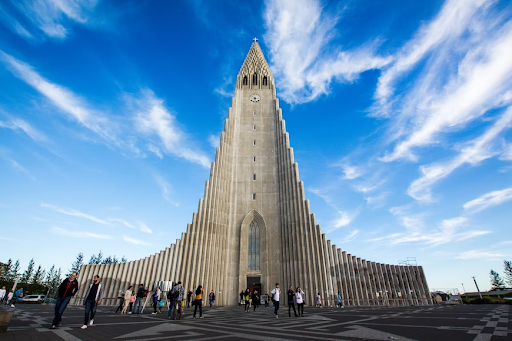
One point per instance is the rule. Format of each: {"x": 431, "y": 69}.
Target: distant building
{"x": 254, "y": 226}
{"x": 505, "y": 293}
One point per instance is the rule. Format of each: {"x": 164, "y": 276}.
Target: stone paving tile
{"x": 455, "y": 323}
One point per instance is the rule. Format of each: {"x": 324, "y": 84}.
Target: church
{"x": 254, "y": 226}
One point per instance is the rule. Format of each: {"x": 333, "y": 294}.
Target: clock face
{"x": 255, "y": 98}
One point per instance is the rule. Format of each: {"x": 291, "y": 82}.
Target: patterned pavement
{"x": 453, "y": 322}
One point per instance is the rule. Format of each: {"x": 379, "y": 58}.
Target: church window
{"x": 254, "y": 112}
{"x": 254, "y": 176}
{"x": 265, "y": 80}
{"x": 254, "y": 142}
{"x": 254, "y": 196}
{"x": 245, "y": 80}
{"x": 255, "y": 79}
{"x": 253, "y": 127}
{"x": 254, "y": 158}
{"x": 253, "y": 259}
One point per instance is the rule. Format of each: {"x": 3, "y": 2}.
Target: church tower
{"x": 254, "y": 226}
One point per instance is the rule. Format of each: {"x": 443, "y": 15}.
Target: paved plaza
{"x": 456, "y": 322}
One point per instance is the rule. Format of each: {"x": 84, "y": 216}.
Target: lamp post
{"x": 477, "y": 287}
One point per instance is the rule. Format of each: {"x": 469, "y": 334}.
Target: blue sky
{"x": 399, "y": 114}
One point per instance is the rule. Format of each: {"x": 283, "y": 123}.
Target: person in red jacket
{"x": 67, "y": 289}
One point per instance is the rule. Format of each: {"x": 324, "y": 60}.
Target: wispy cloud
{"x": 124, "y": 222}
{"x": 19, "y": 124}
{"x": 214, "y": 140}
{"x": 75, "y": 213}
{"x": 6, "y": 155}
{"x": 474, "y": 152}
{"x": 344, "y": 219}
{"x": 140, "y": 225}
{"x": 350, "y": 237}
{"x": 155, "y": 150}
{"x": 75, "y": 107}
{"x": 52, "y": 16}
{"x": 153, "y": 119}
{"x": 166, "y": 188}
{"x": 298, "y": 34}
{"x": 480, "y": 254}
{"x": 351, "y": 172}
{"x": 14, "y": 25}
{"x": 78, "y": 234}
{"x": 490, "y": 199}
{"x": 134, "y": 241}
{"x": 143, "y": 227}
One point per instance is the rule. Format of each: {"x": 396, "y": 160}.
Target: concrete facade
{"x": 254, "y": 179}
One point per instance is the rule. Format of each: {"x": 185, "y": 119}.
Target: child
{"x": 132, "y": 299}
{"x": 160, "y": 305}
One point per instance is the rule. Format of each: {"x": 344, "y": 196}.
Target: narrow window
{"x": 255, "y": 79}
{"x": 254, "y": 196}
{"x": 254, "y": 142}
{"x": 245, "y": 80}
{"x": 254, "y": 158}
{"x": 254, "y": 176}
{"x": 253, "y": 259}
{"x": 253, "y": 127}
{"x": 265, "y": 80}
{"x": 254, "y": 112}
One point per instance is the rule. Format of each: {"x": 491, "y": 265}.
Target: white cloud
{"x": 124, "y": 222}
{"x": 452, "y": 91}
{"x": 490, "y": 199}
{"x": 298, "y": 34}
{"x": 476, "y": 151}
{"x": 14, "y": 25}
{"x": 450, "y": 23}
{"x": 351, "y": 236}
{"x": 51, "y": 16}
{"x": 134, "y": 241}
{"x": 480, "y": 254}
{"x": 166, "y": 188}
{"x": 507, "y": 153}
{"x": 152, "y": 118}
{"x": 19, "y": 124}
{"x": 143, "y": 227}
{"x": 351, "y": 172}
{"x": 377, "y": 200}
{"x": 155, "y": 151}
{"x": 344, "y": 219}
{"x": 75, "y": 213}
{"x": 78, "y": 234}
{"x": 62, "y": 98}
{"x": 214, "y": 140}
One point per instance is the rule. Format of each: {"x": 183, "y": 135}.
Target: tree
{"x": 15, "y": 270}
{"x": 107, "y": 260}
{"x": 77, "y": 264}
{"x": 507, "y": 268}
{"x": 49, "y": 276}
{"x": 124, "y": 260}
{"x": 496, "y": 281}
{"x": 38, "y": 277}
{"x": 6, "y": 275}
{"x": 96, "y": 259}
{"x": 27, "y": 275}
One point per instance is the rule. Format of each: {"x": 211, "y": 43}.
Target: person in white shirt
{"x": 127, "y": 296}
{"x": 299, "y": 297}
{"x": 275, "y": 297}
{"x": 2, "y": 294}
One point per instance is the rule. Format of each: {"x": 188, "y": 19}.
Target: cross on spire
{"x": 255, "y": 39}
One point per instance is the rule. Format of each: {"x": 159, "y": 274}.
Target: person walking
{"x": 127, "y": 297}
{"x": 266, "y": 300}
{"x": 156, "y": 298}
{"x": 92, "y": 299}
{"x": 276, "y": 292}
{"x": 132, "y": 300}
{"x": 242, "y": 301}
{"x": 174, "y": 296}
{"x": 247, "y": 297}
{"x": 9, "y": 297}
{"x": 67, "y": 289}
{"x": 340, "y": 301}
{"x": 319, "y": 300}
{"x": 255, "y": 300}
{"x": 3, "y": 293}
{"x": 180, "y": 302}
{"x": 291, "y": 304}
{"x": 189, "y": 297}
{"x": 198, "y": 302}
{"x": 299, "y": 297}
{"x": 141, "y": 293}
{"x": 120, "y": 306}
{"x": 211, "y": 299}
{"x": 17, "y": 295}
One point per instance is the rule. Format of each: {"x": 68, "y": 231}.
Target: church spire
{"x": 255, "y": 73}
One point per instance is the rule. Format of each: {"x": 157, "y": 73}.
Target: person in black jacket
{"x": 141, "y": 293}
{"x": 255, "y": 300}
{"x": 67, "y": 289}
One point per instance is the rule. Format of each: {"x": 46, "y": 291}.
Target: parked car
{"x": 50, "y": 300}
{"x": 33, "y": 299}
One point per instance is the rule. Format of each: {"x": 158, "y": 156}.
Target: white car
{"x": 33, "y": 299}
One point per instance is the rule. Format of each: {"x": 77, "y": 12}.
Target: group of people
{"x": 10, "y": 298}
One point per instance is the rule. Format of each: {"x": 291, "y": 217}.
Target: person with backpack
{"x": 212, "y": 299}
{"x": 173, "y": 296}
{"x": 276, "y": 292}
{"x": 299, "y": 297}
{"x": 198, "y": 302}
{"x": 156, "y": 298}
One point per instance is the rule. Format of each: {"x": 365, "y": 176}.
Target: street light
{"x": 477, "y": 287}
